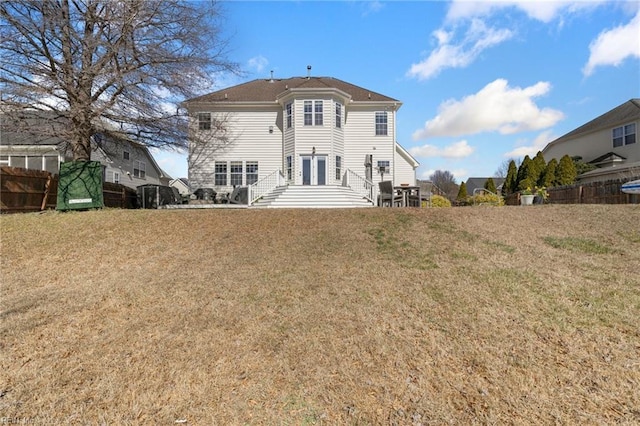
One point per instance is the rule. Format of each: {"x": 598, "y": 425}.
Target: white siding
{"x": 249, "y": 140}
{"x": 404, "y": 171}
{"x": 361, "y": 139}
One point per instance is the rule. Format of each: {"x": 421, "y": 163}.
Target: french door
{"x": 314, "y": 169}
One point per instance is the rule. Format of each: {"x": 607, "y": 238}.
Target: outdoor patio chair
{"x": 388, "y": 196}
{"x": 238, "y": 196}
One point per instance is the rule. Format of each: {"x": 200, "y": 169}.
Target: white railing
{"x": 265, "y": 185}
{"x": 360, "y": 185}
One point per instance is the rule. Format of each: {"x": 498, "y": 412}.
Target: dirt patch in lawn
{"x": 375, "y": 316}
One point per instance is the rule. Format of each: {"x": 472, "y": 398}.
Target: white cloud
{"x": 496, "y": 107}
{"x": 459, "y": 149}
{"x": 531, "y": 150}
{"x": 258, "y": 63}
{"x": 372, "y": 7}
{"x": 446, "y": 55}
{"x": 612, "y": 47}
{"x": 544, "y": 11}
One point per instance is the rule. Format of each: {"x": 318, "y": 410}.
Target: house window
{"x": 125, "y": 155}
{"x": 116, "y": 177}
{"x": 338, "y": 167}
{"x": 381, "y": 123}
{"x": 624, "y": 135}
{"x": 139, "y": 169}
{"x": 308, "y": 113}
{"x": 318, "y": 114}
{"x": 252, "y": 172}
{"x": 289, "y": 115}
{"x": 204, "y": 121}
{"x": 4, "y": 160}
{"x": 289, "y": 166}
{"x": 236, "y": 173}
{"x": 383, "y": 166}
{"x": 338, "y": 115}
{"x": 220, "y": 173}
{"x": 313, "y": 113}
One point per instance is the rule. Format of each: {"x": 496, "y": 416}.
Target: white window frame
{"x": 382, "y": 123}
{"x": 204, "y": 121}
{"x": 338, "y": 115}
{"x": 251, "y": 170}
{"x": 313, "y": 113}
{"x": 220, "y": 169}
{"x": 236, "y": 171}
{"x": 384, "y": 165}
{"x": 140, "y": 171}
{"x": 289, "y": 113}
{"x": 289, "y": 165}
{"x": 626, "y": 135}
{"x": 338, "y": 167}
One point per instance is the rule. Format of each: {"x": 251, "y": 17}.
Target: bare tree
{"x": 445, "y": 180}
{"x": 503, "y": 168}
{"x": 112, "y": 67}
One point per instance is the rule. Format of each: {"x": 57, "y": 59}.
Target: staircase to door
{"x": 312, "y": 196}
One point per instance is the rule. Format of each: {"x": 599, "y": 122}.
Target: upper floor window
{"x": 624, "y": 135}
{"x": 125, "y": 155}
{"x": 289, "y": 115}
{"x": 139, "y": 169}
{"x": 318, "y": 114}
{"x": 204, "y": 121}
{"x": 381, "y": 123}
{"x": 338, "y": 115}
{"x": 313, "y": 113}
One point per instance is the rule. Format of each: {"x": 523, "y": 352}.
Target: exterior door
{"x": 314, "y": 169}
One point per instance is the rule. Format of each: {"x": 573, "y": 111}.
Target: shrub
{"x": 440, "y": 201}
{"x": 496, "y": 200}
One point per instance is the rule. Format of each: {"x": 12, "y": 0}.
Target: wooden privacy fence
{"x": 606, "y": 192}
{"x": 23, "y": 190}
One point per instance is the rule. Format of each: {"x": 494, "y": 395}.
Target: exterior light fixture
{"x": 270, "y": 129}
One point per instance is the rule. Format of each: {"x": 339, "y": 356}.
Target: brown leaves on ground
{"x": 523, "y": 315}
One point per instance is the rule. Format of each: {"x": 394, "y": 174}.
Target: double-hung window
{"x": 624, "y": 135}
{"x": 139, "y": 169}
{"x": 383, "y": 166}
{"x": 236, "y": 173}
{"x": 125, "y": 155}
{"x": 289, "y": 111}
{"x": 204, "y": 121}
{"x": 313, "y": 113}
{"x": 381, "y": 123}
{"x": 338, "y": 167}
{"x": 289, "y": 167}
{"x": 252, "y": 172}
{"x": 318, "y": 113}
{"x": 338, "y": 115}
{"x": 220, "y": 173}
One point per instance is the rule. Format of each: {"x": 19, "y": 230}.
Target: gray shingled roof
{"x": 628, "y": 111}
{"x": 267, "y": 90}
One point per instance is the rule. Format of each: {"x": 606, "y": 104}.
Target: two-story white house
{"x": 298, "y": 135}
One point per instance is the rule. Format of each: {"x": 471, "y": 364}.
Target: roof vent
{"x": 271, "y": 81}
{"x": 308, "y": 71}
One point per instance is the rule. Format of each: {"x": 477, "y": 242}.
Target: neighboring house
{"x": 123, "y": 161}
{"x": 478, "y": 183}
{"x": 312, "y": 131}
{"x": 609, "y": 142}
{"x": 181, "y": 184}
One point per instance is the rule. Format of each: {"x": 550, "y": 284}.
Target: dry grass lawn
{"x": 512, "y": 315}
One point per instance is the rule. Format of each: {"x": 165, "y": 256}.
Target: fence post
{"x": 47, "y": 186}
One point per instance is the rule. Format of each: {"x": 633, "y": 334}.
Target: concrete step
{"x": 298, "y": 196}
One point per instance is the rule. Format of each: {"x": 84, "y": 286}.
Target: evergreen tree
{"x": 538, "y": 166}
{"x": 490, "y": 186}
{"x": 510, "y": 182}
{"x": 548, "y": 176}
{"x": 462, "y": 192}
{"x": 566, "y": 171}
{"x": 526, "y": 175}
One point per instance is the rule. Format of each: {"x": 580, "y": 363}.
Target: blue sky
{"x": 480, "y": 82}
